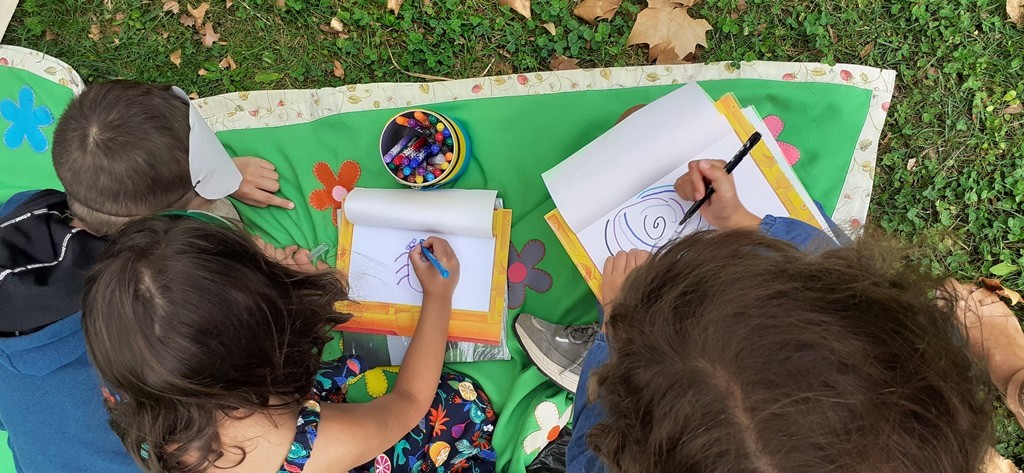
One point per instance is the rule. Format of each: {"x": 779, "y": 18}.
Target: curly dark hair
{"x": 735, "y": 352}
{"x": 191, "y": 322}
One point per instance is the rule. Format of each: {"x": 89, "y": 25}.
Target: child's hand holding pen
{"x": 723, "y": 210}
{"x": 432, "y": 276}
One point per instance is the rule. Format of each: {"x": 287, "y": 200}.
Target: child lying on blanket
{"x": 732, "y": 351}
{"x": 121, "y": 150}
{"x": 213, "y": 350}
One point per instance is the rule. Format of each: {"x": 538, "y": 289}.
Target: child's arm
{"x": 369, "y": 429}
{"x": 259, "y": 183}
{"x": 724, "y": 210}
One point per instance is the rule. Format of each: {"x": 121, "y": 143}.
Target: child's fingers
{"x": 267, "y": 184}
{"x": 264, "y": 163}
{"x": 696, "y": 180}
{"x": 270, "y": 199}
{"x": 635, "y": 258}
{"x": 714, "y": 171}
{"x": 270, "y": 174}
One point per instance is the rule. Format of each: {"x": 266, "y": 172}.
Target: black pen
{"x": 729, "y": 167}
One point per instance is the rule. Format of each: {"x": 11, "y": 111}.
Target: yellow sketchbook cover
{"x": 783, "y": 187}
{"x": 400, "y": 319}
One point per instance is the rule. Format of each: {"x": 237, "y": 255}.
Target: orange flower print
{"x": 335, "y": 186}
{"x": 437, "y": 419}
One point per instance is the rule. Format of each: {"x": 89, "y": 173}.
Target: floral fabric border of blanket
{"x": 265, "y": 108}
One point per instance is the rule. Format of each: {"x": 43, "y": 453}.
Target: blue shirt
{"x": 578, "y": 457}
{"x": 50, "y": 399}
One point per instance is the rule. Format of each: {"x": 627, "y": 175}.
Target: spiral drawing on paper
{"x": 648, "y": 222}
{"x": 404, "y": 272}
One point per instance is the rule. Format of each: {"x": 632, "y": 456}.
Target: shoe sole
{"x": 546, "y": 366}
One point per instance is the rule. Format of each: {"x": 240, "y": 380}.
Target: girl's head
{"x": 192, "y": 323}
{"x": 734, "y": 352}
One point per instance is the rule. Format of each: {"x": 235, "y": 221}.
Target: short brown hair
{"x": 734, "y": 352}
{"x": 191, "y": 321}
{"x": 121, "y": 151}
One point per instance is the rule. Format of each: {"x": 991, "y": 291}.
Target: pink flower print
{"x": 775, "y": 126}
{"x": 846, "y": 75}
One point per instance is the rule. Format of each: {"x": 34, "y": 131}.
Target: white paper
{"x": 649, "y": 219}
{"x": 451, "y": 211}
{"x": 640, "y": 150}
{"x": 380, "y": 269}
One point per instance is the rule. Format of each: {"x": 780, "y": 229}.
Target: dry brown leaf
{"x": 663, "y": 54}
{"x": 228, "y": 63}
{"x": 176, "y": 58}
{"x": 671, "y": 28}
{"x": 337, "y": 25}
{"x": 171, "y": 6}
{"x": 521, "y": 6}
{"x": 549, "y": 26}
{"x": 741, "y": 6}
{"x": 562, "y": 63}
{"x": 1015, "y": 10}
{"x": 201, "y": 72}
{"x": 339, "y": 71}
{"x": 997, "y": 288}
{"x": 186, "y": 20}
{"x": 209, "y": 37}
{"x": 228, "y": 3}
{"x": 94, "y": 32}
{"x": 1012, "y": 109}
{"x": 670, "y": 3}
{"x": 193, "y": 96}
{"x": 911, "y": 164}
{"x": 867, "y": 50}
{"x": 199, "y": 13}
{"x": 49, "y": 36}
{"x": 395, "y": 5}
{"x": 592, "y": 10}
{"x": 832, "y": 35}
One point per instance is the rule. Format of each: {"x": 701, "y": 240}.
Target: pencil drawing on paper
{"x": 648, "y": 221}
{"x": 404, "y": 272}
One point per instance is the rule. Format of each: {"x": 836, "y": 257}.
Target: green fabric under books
{"x": 514, "y": 140}
{"x": 31, "y": 106}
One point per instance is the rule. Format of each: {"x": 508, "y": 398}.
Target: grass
{"x": 950, "y": 171}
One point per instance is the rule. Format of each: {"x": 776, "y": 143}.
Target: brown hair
{"x": 191, "y": 322}
{"x": 121, "y": 151}
{"x": 734, "y": 352}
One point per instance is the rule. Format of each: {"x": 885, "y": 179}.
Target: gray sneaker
{"x": 557, "y": 350}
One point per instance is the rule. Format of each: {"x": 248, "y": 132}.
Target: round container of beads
{"x": 423, "y": 149}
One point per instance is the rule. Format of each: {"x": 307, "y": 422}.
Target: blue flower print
{"x": 26, "y": 121}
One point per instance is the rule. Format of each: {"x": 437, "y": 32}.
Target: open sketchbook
{"x": 636, "y": 163}
{"x": 379, "y": 227}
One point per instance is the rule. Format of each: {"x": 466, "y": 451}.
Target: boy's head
{"x": 121, "y": 151}
{"x": 734, "y": 352}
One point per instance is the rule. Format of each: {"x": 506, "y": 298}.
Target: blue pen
{"x": 434, "y": 261}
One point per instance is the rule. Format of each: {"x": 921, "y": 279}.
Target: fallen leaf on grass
{"x": 228, "y": 63}
{"x": 1012, "y": 109}
{"x": 911, "y": 164}
{"x": 199, "y": 13}
{"x": 50, "y": 36}
{"x": 867, "y": 50}
{"x": 1015, "y": 10}
{"x": 94, "y": 32}
{"x": 998, "y": 289}
{"x": 395, "y": 5}
{"x": 228, "y": 3}
{"x": 176, "y": 58}
{"x": 171, "y": 6}
{"x": 549, "y": 26}
{"x": 209, "y": 37}
{"x": 201, "y": 72}
{"x": 186, "y": 20}
{"x": 339, "y": 71}
{"x": 193, "y": 96}
{"x": 668, "y": 30}
{"x": 521, "y": 6}
{"x": 592, "y": 10}
{"x": 562, "y": 63}
{"x": 337, "y": 25}
{"x": 279, "y": 3}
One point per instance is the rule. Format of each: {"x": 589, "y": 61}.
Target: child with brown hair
{"x": 122, "y": 150}
{"x": 231, "y": 379}
{"x": 732, "y": 351}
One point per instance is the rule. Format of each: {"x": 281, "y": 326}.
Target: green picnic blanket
{"x": 513, "y": 140}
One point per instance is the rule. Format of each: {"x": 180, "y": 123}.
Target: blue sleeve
{"x": 578, "y": 456}
{"x": 803, "y": 236}
{"x": 15, "y": 201}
